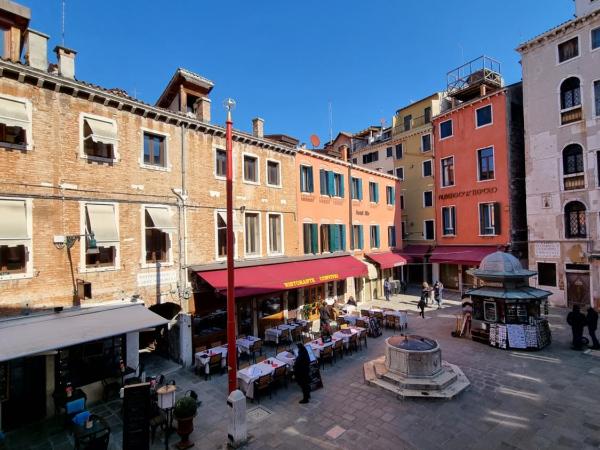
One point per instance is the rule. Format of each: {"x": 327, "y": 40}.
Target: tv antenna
{"x": 63, "y": 22}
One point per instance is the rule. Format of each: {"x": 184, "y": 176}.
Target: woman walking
{"x": 301, "y": 372}
{"x": 421, "y": 306}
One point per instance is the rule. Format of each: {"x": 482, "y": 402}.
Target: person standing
{"x": 425, "y": 292}
{"x": 441, "y": 289}
{"x": 302, "y": 372}
{"x": 324, "y": 314}
{"x": 386, "y": 289}
{"x": 592, "y": 324}
{"x": 421, "y": 305}
{"x": 436, "y": 293}
{"x": 577, "y": 321}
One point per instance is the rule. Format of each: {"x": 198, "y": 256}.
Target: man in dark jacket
{"x": 592, "y": 324}
{"x": 302, "y": 372}
{"x": 577, "y": 322}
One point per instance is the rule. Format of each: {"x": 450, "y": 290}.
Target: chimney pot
{"x": 344, "y": 152}
{"x": 37, "y": 50}
{"x": 258, "y": 127}
{"x": 66, "y": 61}
{"x": 202, "y": 108}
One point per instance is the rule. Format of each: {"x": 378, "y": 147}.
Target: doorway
{"x": 578, "y": 288}
{"x": 27, "y": 393}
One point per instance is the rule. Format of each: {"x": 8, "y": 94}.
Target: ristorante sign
{"x": 311, "y": 280}
{"x": 470, "y": 193}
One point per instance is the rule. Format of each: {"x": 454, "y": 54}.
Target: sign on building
{"x": 158, "y": 277}
{"x": 547, "y": 250}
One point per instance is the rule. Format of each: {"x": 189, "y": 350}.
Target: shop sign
{"x": 547, "y": 250}
{"x": 362, "y": 213}
{"x": 470, "y": 193}
{"x": 311, "y": 280}
{"x": 152, "y": 278}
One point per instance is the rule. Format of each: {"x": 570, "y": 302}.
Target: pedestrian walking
{"x": 324, "y": 314}
{"x": 592, "y": 324}
{"x": 302, "y": 372}
{"x": 421, "y": 306}
{"x": 436, "y": 293}
{"x": 577, "y": 321}
{"x": 387, "y": 288}
{"x": 425, "y": 292}
{"x": 441, "y": 289}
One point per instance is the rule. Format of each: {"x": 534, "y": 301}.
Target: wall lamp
{"x": 61, "y": 242}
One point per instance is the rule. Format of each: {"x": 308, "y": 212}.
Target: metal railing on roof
{"x": 482, "y": 69}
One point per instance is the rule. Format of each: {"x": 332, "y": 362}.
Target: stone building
{"x": 561, "y": 90}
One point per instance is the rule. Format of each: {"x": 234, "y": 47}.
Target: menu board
{"x": 314, "y": 376}
{"x": 4, "y": 381}
{"x": 489, "y": 312}
{"x": 136, "y": 416}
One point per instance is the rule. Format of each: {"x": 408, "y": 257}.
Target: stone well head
{"x": 413, "y": 356}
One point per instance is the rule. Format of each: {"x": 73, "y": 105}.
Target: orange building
{"x": 348, "y": 209}
{"x": 479, "y": 158}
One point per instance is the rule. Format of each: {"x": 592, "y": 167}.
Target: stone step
{"x": 440, "y": 381}
{"x": 369, "y": 372}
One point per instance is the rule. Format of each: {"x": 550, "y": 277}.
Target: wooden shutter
{"x": 497, "y": 218}
{"x": 314, "y": 237}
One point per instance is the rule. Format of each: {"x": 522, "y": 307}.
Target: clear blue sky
{"x": 286, "y": 60}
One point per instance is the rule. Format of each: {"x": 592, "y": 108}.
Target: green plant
{"x": 185, "y": 407}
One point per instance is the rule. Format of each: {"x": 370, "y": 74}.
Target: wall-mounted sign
{"x": 470, "y": 193}
{"x": 547, "y": 250}
{"x": 311, "y": 280}
{"x": 362, "y": 213}
{"x": 160, "y": 277}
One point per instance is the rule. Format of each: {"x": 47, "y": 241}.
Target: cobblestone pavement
{"x": 524, "y": 400}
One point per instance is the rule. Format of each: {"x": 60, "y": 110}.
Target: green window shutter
{"x": 352, "y": 243}
{"x": 314, "y": 238}
{"x": 342, "y": 186}
{"x": 377, "y": 236}
{"x": 305, "y": 237}
{"x": 376, "y": 192}
{"x": 335, "y": 244}
{"x": 343, "y": 237}
{"x": 360, "y": 195}
{"x": 322, "y": 182}
{"x": 393, "y": 196}
{"x": 361, "y": 241}
{"x": 330, "y": 183}
{"x": 497, "y": 217}
{"x": 311, "y": 185}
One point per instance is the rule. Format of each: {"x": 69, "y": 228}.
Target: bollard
{"x": 237, "y": 432}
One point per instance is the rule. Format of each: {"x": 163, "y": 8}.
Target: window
{"x": 490, "y": 313}
{"x": 597, "y": 97}
{"x": 158, "y": 226}
{"x": 400, "y": 173}
{"x": 275, "y": 234}
{"x": 370, "y": 157}
{"x": 483, "y": 116}
{"x": 429, "y": 230}
{"x": 546, "y": 274}
{"x": 155, "y": 152}
{"x": 446, "y": 129}
{"x": 427, "y": 114}
{"x": 485, "y": 163}
{"x": 357, "y": 237}
{"x": 575, "y": 226}
{"x": 448, "y": 221}
{"x": 573, "y": 171}
{"x": 332, "y": 184}
{"x": 448, "y": 171}
{"x": 273, "y": 173}
{"x": 391, "y": 236}
{"x": 373, "y": 192}
{"x": 404, "y": 232}
{"x": 570, "y": 101}
{"x": 354, "y": 160}
{"x": 489, "y": 219}
{"x": 338, "y": 185}
{"x": 220, "y": 163}
{"x": 390, "y": 195}
{"x": 374, "y": 236}
{"x": 325, "y": 244}
{"x": 99, "y": 137}
{"x": 311, "y": 238}
{"x": 427, "y": 199}
{"x": 15, "y": 238}
{"x": 100, "y": 220}
{"x": 399, "y": 151}
{"x": 426, "y": 142}
{"x": 402, "y": 201}
{"x": 407, "y": 122}
{"x": 568, "y": 50}
{"x": 427, "y": 168}
{"x": 333, "y": 238}
{"x": 15, "y": 123}
{"x": 389, "y": 152}
{"x": 595, "y": 38}
{"x": 357, "y": 189}
{"x": 250, "y": 169}
{"x": 306, "y": 179}
{"x": 252, "y": 234}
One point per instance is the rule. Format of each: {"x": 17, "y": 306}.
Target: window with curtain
{"x": 273, "y": 173}
{"x": 485, "y": 163}
{"x": 356, "y": 189}
{"x": 448, "y": 221}
{"x": 374, "y": 236}
{"x": 357, "y": 237}
{"x": 390, "y": 195}
{"x": 568, "y": 49}
{"x": 252, "y": 234}
{"x": 220, "y": 163}
{"x": 157, "y": 241}
{"x": 221, "y": 234}
{"x": 251, "y": 168}
{"x": 306, "y": 179}
{"x": 489, "y": 219}
{"x": 575, "y": 220}
{"x": 275, "y": 234}
{"x": 448, "y": 171}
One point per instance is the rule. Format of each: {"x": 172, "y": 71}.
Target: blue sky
{"x": 286, "y": 60}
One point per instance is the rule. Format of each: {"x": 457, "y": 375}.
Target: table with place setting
{"x": 247, "y": 376}
{"x": 202, "y": 358}
{"x": 352, "y": 319}
{"x": 317, "y": 345}
{"x": 244, "y": 344}
{"x": 346, "y": 333}
{"x": 287, "y": 357}
{"x": 274, "y": 334}
{"x": 402, "y": 315}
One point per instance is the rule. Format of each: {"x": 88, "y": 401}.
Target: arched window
{"x": 575, "y": 220}
{"x": 570, "y": 93}
{"x": 574, "y": 177}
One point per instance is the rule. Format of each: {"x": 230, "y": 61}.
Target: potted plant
{"x": 184, "y": 412}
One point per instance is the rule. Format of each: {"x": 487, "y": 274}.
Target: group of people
{"x": 430, "y": 293}
{"x": 578, "y": 321}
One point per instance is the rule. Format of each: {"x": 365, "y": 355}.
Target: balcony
{"x": 464, "y": 83}
{"x": 573, "y": 182}
{"x": 571, "y": 115}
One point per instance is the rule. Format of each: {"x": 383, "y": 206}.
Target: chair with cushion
{"x": 280, "y": 376}
{"x": 81, "y": 418}
{"x": 214, "y": 364}
{"x": 326, "y": 354}
{"x": 263, "y": 384}
{"x": 338, "y": 349}
{"x": 74, "y": 407}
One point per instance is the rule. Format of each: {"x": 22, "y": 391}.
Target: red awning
{"x": 461, "y": 254}
{"x": 415, "y": 253}
{"x": 387, "y": 260}
{"x": 279, "y": 277}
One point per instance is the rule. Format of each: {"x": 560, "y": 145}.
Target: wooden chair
{"x": 254, "y": 348}
{"x": 326, "y": 355}
{"x": 214, "y": 364}
{"x": 260, "y": 359}
{"x": 280, "y": 376}
{"x": 361, "y": 323}
{"x": 338, "y": 349}
{"x": 263, "y": 384}
{"x": 363, "y": 337}
{"x": 215, "y": 344}
{"x": 353, "y": 343}
{"x": 296, "y": 335}
{"x": 379, "y": 317}
{"x": 365, "y": 313}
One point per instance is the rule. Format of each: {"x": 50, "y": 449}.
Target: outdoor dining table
{"x": 346, "y": 333}
{"x": 247, "y": 376}
{"x": 287, "y": 357}
{"x": 352, "y": 319}
{"x": 203, "y": 358}
{"x": 244, "y": 344}
{"x": 317, "y": 345}
{"x": 273, "y": 334}
{"x": 401, "y": 315}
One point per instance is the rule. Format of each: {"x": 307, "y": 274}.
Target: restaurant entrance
{"x": 27, "y": 392}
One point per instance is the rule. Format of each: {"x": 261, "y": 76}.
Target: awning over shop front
{"x": 290, "y": 275}
{"x": 461, "y": 254}
{"x": 38, "y": 333}
{"x": 415, "y": 253}
{"x": 387, "y": 260}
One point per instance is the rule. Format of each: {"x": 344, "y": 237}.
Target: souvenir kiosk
{"x": 506, "y": 310}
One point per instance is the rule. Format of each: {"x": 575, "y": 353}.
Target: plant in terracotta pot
{"x": 184, "y": 412}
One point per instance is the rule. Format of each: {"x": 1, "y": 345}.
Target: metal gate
{"x": 578, "y": 289}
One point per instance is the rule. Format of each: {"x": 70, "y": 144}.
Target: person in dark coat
{"x": 324, "y": 314}
{"x": 301, "y": 372}
{"x": 592, "y": 324}
{"x": 577, "y": 321}
{"x": 421, "y": 306}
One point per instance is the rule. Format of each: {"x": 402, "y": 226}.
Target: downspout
{"x": 181, "y": 194}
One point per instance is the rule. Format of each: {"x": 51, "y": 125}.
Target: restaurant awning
{"x": 461, "y": 254}
{"x": 38, "y": 333}
{"x": 387, "y": 260}
{"x": 267, "y": 278}
{"x": 415, "y": 253}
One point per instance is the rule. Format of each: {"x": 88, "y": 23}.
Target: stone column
{"x": 185, "y": 339}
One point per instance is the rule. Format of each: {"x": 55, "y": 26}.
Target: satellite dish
{"x": 314, "y": 140}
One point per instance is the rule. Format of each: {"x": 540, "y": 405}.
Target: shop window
{"x": 390, "y": 195}
{"x": 100, "y": 220}
{"x": 392, "y": 236}
{"x": 15, "y": 240}
{"x": 399, "y": 151}
{"x": 568, "y": 49}
{"x": 429, "y": 230}
{"x": 155, "y": 151}
{"x": 373, "y": 192}
{"x": 485, "y": 164}
{"x": 427, "y": 168}
{"x": 389, "y": 152}
{"x": 374, "y": 236}
{"x": 357, "y": 237}
{"x": 275, "y": 226}
{"x": 573, "y": 170}
{"x": 310, "y": 238}
{"x": 15, "y": 122}
{"x": 483, "y": 116}
{"x": 306, "y": 179}
{"x": 448, "y": 220}
{"x": 426, "y": 142}
{"x": 446, "y": 129}
{"x": 546, "y": 274}
{"x": 357, "y": 188}
{"x": 220, "y": 163}
{"x": 427, "y": 199}
{"x": 489, "y": 219}
{"x": 99, "y": 138}
{"x": 490, "y": 313}
{"x": 252, "y": 234}
{"x": 158, "y": 226}
{"x": 575, "y": 221}
{"x": 273, "y": 173}
{"x": 250, "y": 169}
{"x": 448, "y": 171}
{"x": 570, "y": 101}
{"x": 400, "y": 173}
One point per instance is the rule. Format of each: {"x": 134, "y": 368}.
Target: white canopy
{"x": 13, "y": 222}
{"x": 102, "y": 222}
{"x": 13, "y": 113}
{"x": 161, "y": 218}
{"x": 102, "y": 131}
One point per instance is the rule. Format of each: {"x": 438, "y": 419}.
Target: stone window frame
{"x": 152, "y": 265}
{"x": 117, "y": 262}
{"x": 281, "y": 230}
{"x": 167, "y": 137}
{"x": 28, "y": 273}
{"x": 491, "y": 122}
{"x": 29, "y": 128}
{"x": 272, "y": 160}
{"x": 251, "y": 155}
{"x": 116, "y": 156}
{"x": 260, "y": 240}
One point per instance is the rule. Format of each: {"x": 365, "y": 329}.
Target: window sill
{"x": 257, "y": 256}
{"x": 483, "y": 126}
{"x": 10, "y": 146}
{"x": 448, "y": 186}
{"x": 275, "y": 254}
{"x": 157, "y": 265}
{"x": 99, "y": 159}
{"x": 449, "y": 235}
{"x": 488, "y": 235}
{"x": 255, "y": 183}
{"x": 98, "y": 269}
{"x": 15, "y": 276}
{"x": 275, "y": 186}
{"x": 157, "y": 168}
{"x": 221, "y": 178}
{"x": 485, "y": 181}
{"x": 447, "y": 137}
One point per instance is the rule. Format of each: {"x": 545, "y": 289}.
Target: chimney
{"x": 202, "y": 108}
{"x": 37, "y": 50}
{"x": 66, "y": 61}
{"x": 344, "y": 152}
{"x": 258, "y": 127}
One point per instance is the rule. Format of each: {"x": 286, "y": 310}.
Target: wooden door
{"x": 578, "y": 289}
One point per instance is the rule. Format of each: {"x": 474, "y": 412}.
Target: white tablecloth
{"x": 203, "y": 358}
{"x": 375, "y": 310}
{"x": 318, "y": 345}
{"x": 243, "y": 344}
{"x": 400, "y": 314}
{"x": 274, "y": 334}
{"x": 247, "y": 376}
{"x": 345, "y": 335}
{"x": 287, "y": 357}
